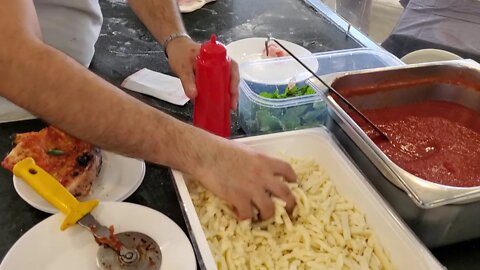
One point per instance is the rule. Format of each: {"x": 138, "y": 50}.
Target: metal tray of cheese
{"x": 453, "y": 81}
{"x": 318, "y": 144}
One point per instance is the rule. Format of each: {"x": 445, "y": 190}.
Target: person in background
{"x": 46, "y": 48}
{"x": 449, "y": 25}
{"x": 404, "y": 3}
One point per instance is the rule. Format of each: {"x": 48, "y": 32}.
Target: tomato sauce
{"x": 438, "y": 141}
{"x": 111, "y": 241}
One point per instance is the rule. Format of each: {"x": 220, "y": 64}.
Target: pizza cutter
{"x": 121, "y": 251}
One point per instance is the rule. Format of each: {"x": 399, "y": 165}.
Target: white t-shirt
{"x": 71, "y": 26}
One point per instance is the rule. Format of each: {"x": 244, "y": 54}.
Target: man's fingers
{"x": 188, "y": 82}
{"x": 242, "y": 208}
{"x": 284, "y": 169}
{"x": 280, "y": 190}
{"x": 264, "y": 204}
{"x": 234, "y": 81}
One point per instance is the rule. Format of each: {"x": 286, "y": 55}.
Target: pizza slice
{"x": 73, "y": 162}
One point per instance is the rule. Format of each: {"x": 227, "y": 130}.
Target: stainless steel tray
{"x": 454, "y": 81}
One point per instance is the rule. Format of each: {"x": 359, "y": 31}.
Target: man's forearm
{"x": 79, "y": 102}
{"x": 162, "y": 18}
{"x": 59, "y": 90}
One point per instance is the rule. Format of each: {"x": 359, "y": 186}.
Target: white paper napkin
{"x": 157, "y": 85}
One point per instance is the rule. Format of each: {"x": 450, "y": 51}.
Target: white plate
{"x": 119, "y": 177}
{"x": 275, "y": 70}
{"x": 46, "y": 247}
{"x": 10, "y": 112}
{"x": 429, "y": 55}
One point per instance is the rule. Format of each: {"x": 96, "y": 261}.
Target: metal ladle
{"x": 328, "y": 87}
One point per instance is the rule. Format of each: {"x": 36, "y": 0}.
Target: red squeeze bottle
{"x": 212, "y": 105}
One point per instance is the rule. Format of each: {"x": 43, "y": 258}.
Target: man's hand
{"x": 162, "y": 18}
{"x": 182, "y": 53}
{"x": 247, "y": 179}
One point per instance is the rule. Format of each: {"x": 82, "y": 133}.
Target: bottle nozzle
{"x": 213, "y": 39}
{"x": 212, "y": 50}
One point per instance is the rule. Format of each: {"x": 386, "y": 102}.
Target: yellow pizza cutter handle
{"x": 54, "y": 192}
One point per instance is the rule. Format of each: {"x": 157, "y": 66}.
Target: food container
{"x": 259, "y": 115}
{"x": 318, "y": 144}
{"x": 439, "y": 214}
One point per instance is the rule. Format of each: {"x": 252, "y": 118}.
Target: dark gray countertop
{"x": 125, "y": 47}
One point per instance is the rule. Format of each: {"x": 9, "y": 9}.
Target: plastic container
{"x": 405, "y": 250}
{"x": 212, "y": 104}
{"x": 258, "y": 115}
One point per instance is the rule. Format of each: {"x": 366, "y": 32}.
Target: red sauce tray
{"x": 431, "y": 115}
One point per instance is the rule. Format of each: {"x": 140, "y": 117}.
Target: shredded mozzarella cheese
{"x": 325, "y": 230}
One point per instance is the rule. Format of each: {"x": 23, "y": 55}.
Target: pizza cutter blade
{"x": 149, "y": 256}
{"x": 126, "y": 250}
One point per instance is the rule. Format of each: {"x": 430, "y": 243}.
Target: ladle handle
{"x": 53, "y": 192}
{"x": 330, "y": 88}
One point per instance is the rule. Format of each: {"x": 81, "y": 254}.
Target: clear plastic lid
{"x": 271, "y": 74}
